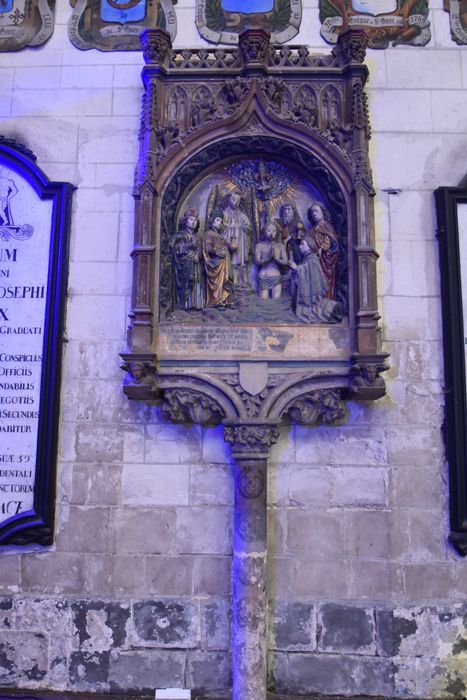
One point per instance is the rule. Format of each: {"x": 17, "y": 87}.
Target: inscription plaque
{"x": 32, "y": 269}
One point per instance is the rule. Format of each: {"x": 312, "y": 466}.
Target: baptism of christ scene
{"x": 255, "y": 242}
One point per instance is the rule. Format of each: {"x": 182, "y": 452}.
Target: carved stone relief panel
{"x": 25, "y": 23}
{"x": 116, "y": 25}
{"x": 458, "y": 18}
{"x": 384, "y": 21}
{"x": 221, "y": 21}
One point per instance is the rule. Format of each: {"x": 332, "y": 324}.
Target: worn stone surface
{"x": 216, "y": 624}
{"x": 100, "y": 626}
{"x": 209, "y": 672}
{"x": 24, "y": 658}
{"x": 166, "y": 623}
{"x": 293, "y": 626}
{"x": 142, "y": 671}
{"x": 344, "y": 628}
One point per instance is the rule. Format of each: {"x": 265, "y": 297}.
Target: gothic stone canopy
{"x": 254, "y": 288}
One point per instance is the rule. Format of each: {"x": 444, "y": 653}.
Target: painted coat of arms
{"x": 25, "y": 23}
{"x": 221, "y": 21}
{"x": 115, "y": 25}
{"x": 458, "y": 12}
{"x": 385, "y": 21}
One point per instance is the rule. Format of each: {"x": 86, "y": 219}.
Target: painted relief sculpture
{"x": 221, "y": 21}
{"x": 115, "y": 25}
{"x": 458, "y": 18}
{"x": 25, "y": 23}
{"x": 254, "y": 293}
{"x": 385, "y": 21}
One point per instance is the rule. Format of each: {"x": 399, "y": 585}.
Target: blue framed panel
{"x": 34, "y": 239}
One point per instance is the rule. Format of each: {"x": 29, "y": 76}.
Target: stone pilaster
{"x": 250, "y": 448}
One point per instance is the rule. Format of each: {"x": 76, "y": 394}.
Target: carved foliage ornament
{"x": 116, "y": 25}
{"x": 458, "y": 18}
{"x": 25, "y": 23}
{"x": 221, "y": 21}
{"x": 384, "y": 21}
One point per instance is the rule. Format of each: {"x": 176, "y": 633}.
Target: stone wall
{"x": 366, "y": 594}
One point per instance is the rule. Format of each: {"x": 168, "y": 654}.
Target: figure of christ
{"x": 269, "y": 256}
{"x": 217, "y": 262}
{"x": 325, "y": 244}
{"x": 237, "y": 233}
{"x": 185, "y": 252}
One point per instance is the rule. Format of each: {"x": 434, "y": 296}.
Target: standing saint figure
{"x": 237, "y": 232}
{"x": 269, "y": 256}
{"x": 217, "y": 262}
{"x": 324, "y": 242}
{"x": 185, "y": 251}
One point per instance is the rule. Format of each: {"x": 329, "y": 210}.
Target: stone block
{"x": 24, "y": 657}
{"x": 215, "y": 450}
{"x": 346, "y": 628}
{"x": 376, "y": 580}
{"x": 293, "y": 626}
{"x": 321, "y": 673}
{"x": 434, "y": 581}
{"x": 169, "y": 575}
{"x": 310, "y": 487}
{"x": 165, "y": 445}
{"x": 133, "y": 444}
{"x": 96, "y": 483}
{"x": 318, "y": 533}
{"x": 100, "y": 626}
{"x": 413, "y": 109}
{"x": 368, "y": 533}
{"x": 142, "y": 671}
{"x": 43, "y": 615}
{"x": 126, "y": 101}
{"x": 98, "y": 573}
{"x": 99, "y": 317}
{"x": 211, "y": 486}
{"x": 37, "y": 77}
{"x": 209, "y": 672}
{"x": 212, "y": 575}
{"x": 280, "y": 575}
{"x": 442, "y": 66}
{"x": 89, "y": 670}
{"x": 340, "y": 446}
{"x": 359, "y": 486}
{"x": 98, "y": 444}
{"x": 204, "y": 530}
{"x": 277, "y": 672}
{"x": 216, "y": 619}
{"x": 170, "y": 623}
{"x": 320, "y": 578}
{"x": 53, "y": 572}
{"x": 6, "y": 613}
{"x": 82, "y": 77}
{"x": 140, "y": 530}
{"x": 83, "y": 529}
{"x": 128, "y": 575}
{"x": 155, "y": 484}
{"x": 10, "y": 573}
{"x": 412, "y": 319}
{"x": 428, "y": 493}
{"x": 99, "y": 227}
{"x": 413, "y": 446}
{"x": 427, "y": 535}
{"x": 104, "y": 140}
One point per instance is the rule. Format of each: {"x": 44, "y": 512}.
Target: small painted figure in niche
{"x": 325, "y": 244}
{"x": 185, "y": 252}
{"x": 217, "y": 263}
{"x": 237, "y": 233}
{"x": 309, "y": 288}
{"x": 8, "y": 190}
{"x": 269, "y": 257}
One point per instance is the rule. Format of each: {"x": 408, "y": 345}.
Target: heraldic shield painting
{"x": 25, "y": 23}
{"x": 458, "y": 14}
{"x": 221, "y": 21}
{"x": 115, "y": 25}
{"x": 384, "y": 21}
